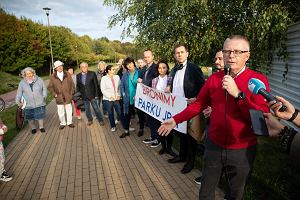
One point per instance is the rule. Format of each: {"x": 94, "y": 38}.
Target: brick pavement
{"x": 90, "y": 162}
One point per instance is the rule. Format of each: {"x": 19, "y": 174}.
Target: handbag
{"x": 196, "y": 127}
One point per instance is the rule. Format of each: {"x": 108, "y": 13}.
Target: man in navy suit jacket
{"x": 187, "y": 80}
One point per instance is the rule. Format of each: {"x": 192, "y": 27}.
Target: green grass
{"x": 9, "y": 119}
{"x": 8, "y": 82}
{"x": 275, "y": 175}
{"x": 8, "y": 116}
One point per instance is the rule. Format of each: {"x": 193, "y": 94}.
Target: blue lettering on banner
{"x": 149, "y": 107}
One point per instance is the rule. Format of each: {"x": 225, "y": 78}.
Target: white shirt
{"x": 162, "y": 83}
{"x": 107, "y": 88}
{"x": 178, "y": 89}
{"x": 60, "y": 75}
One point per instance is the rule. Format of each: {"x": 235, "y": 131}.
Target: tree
{"x": 203, "y": 25}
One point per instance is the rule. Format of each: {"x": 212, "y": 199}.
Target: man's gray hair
{"x": 23, "y": 72}
{"x": 84, "y": 63}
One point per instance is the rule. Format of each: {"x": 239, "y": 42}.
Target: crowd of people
{"x": 224, "y": 99}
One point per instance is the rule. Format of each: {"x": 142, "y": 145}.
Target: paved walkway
{"x": 90, "y": 162}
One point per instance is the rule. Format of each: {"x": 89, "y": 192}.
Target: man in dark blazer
{"x": 187, "y": 80}
{"x": 148, "y": 73}
{"x": 87, "y": 85}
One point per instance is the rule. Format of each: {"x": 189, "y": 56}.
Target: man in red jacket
{"x": 231, "y": 143}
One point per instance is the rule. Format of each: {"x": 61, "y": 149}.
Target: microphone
{"x": 256, "y": 86}
{"x": 227, "y": 69}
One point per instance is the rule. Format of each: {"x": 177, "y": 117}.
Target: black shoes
{"x": 176, "y": 159}
{"x": 171, "y": 152}
{"x": 42, "y": 130}
{"x": 61, "y": 127}
{"x": 186, "y": 169}
{"x": 33, "y": 131}
{"x": 124, "y": 135}
{"x": 141, "y": 132}
{"x": 71, "y": 125}
{"x": 162, "y": 151}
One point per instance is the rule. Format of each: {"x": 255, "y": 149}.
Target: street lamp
{"x": 76, "y": 56}
{"x": 47, "y": 13}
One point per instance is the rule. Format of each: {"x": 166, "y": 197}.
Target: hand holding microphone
{"x": 228, "y": 84}
{"x": 258, "y": 87}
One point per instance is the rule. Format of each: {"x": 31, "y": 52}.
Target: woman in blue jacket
{"x": 128, "y": 91}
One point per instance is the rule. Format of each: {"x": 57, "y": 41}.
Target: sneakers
{"x": 131, "y": 129}
{"x": 198, "y": 180}
{"x": 148, "y": 141}
{"x": 113, "y": 129}
{"x": 155, "y": 143}
{"x": 117, "y": 121}
{"x": 105, "y": 115}
{"x": 79, "y": 117}
{"x": 5, "y": 177}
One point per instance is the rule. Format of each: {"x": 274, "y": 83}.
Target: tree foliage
{"x": 204, "y": 25}
{"x": 24, "y": 43}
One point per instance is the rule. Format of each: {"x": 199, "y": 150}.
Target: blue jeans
{"x": 96, "y": 109}
{"x": 109, "y": 106}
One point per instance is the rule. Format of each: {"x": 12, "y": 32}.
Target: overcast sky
{"x": 83, "y": 17}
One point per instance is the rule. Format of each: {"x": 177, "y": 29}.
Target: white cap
{"x": 58, "y": 63}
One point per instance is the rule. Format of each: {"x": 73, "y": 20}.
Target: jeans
{"x": 127, "y": 117}
{"x": 153, "y": 130}
{"x": 101, "y": 101}
{"x": 142, "y": 119}
{"x": 95, "y": 108}
{"x": 235, "y": 163}
{"x": 110, "y": 106}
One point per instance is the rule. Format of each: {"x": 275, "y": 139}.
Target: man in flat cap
{"x": 62, "y": 88}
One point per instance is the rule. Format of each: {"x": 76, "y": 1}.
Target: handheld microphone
{"x": 256, "y": 86}
{"x": 227, "y": 69}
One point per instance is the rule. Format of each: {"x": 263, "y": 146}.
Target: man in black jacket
{"x": 148, "y": 73}
{"x": 187, "y": 80}
{"x": 87, "y": 85}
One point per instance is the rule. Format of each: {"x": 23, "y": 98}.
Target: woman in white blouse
{"x": 160, "y": 83}
{"x": 110, "y": 88}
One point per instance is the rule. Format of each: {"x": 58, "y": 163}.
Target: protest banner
{"x": 160, "y": 105}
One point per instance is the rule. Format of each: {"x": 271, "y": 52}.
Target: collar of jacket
{"x": 55, "y": 74}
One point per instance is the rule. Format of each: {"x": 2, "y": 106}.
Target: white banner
{"x": 160, "y": 105}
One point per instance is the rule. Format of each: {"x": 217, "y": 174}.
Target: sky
{"x": 83, "y": 17}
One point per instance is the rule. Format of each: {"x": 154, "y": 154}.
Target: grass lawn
{"x": 8, "y": 82}
{"x": 275, "y": 175}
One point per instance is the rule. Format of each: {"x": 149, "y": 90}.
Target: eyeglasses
{"x": 235, "y": 52}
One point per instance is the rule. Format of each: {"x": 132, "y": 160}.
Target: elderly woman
{"x": 33, "y": 89}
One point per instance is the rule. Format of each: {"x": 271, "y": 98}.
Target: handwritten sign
{"x": 160, "y": 105}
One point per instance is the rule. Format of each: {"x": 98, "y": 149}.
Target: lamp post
{"x": 76, "y": 56}
{"x": 47, "y": 13}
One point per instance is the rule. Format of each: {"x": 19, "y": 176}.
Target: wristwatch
{"x": 240, "y": 96}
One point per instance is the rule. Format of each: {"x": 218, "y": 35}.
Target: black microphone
{"x": 227, "y": 69}
{"x": 258, "y": 87}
